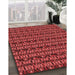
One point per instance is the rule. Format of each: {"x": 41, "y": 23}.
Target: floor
{"x": 13, "y": 68}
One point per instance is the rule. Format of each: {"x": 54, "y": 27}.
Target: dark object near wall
{"x": 56, "y": 19}
{"x": 50, "y": 18}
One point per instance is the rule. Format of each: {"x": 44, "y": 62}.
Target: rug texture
{"x": 38, "y": 48}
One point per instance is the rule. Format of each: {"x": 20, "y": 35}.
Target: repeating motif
{"x": 38, "y": 48}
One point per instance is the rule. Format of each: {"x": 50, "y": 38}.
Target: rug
{"x": 38, "y": 48}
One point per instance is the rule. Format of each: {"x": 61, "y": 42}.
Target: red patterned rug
{"x": 38, "y": 48}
